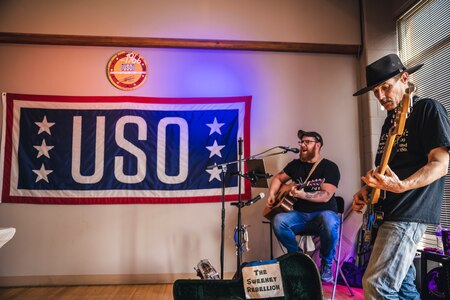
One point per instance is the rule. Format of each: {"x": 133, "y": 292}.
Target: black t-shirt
{"x": 326, "y": 169}
{"x": 426, "y": 128}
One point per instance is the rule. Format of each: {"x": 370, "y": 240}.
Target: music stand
{"x": 256, "y": 173}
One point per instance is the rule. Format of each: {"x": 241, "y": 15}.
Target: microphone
{"x": 287, "y": 148}
{"x": 257, "y": 198}
{"x": 249, "y": 202}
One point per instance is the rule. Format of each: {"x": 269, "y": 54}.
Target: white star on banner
{"x": 215, "y": 174}
{"x": 215, "y": 127}
{"x": 44, "y": 126}
{"x": 42, "y": 173}
{"x": 215, "y": 149}
{"x": 43, "y": 149}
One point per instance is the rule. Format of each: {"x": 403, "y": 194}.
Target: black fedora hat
{"x": 383, "y": 69}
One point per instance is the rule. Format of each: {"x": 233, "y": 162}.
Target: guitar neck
{"x": 387, "y": 154}
{"x": 399, "y": 128}
{"x": 383, "y": 166}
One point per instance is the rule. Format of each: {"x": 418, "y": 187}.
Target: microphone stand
{"x": 261, "y": 155}
{"x": 241, "y": 204}
{"x": 223, "y": 168}
{"x": 222, "y": 232}
{"x": 239, "y": 252}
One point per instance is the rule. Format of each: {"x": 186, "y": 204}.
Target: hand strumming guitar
{"x": 373, "y": 179}
{"x": 360, "y": 199}
{"x": 275, "y": 186}
{"x": 270, "y": 200}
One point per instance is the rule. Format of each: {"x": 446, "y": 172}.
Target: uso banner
{"x": 107, "y": 150}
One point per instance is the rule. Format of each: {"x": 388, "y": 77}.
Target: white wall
{"x": 327, "y": 21}
{"x": 290, "y": 91}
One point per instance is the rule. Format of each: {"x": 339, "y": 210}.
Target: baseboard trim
{"x": 106, "y": 279}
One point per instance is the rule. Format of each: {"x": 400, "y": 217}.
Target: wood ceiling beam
{"x": 144, "y": 42}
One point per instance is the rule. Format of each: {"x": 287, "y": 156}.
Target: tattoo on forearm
{"x": 315, "y": 195}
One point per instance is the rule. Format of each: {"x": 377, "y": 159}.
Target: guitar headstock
{"x": 411, "y": 88}
{"x": 402, "y": 110}
{"x": 315, "y": 182}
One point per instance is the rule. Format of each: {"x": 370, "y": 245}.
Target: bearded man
{"x": 315, "y": 209}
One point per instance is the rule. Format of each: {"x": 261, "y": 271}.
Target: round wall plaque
{"x": 127, "y": 70}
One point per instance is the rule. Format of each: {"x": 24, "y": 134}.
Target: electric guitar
{"x": 284, "y": 201}
{"x": 373, "y": 217}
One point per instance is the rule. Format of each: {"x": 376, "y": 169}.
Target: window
{"x": 424, "y": 37}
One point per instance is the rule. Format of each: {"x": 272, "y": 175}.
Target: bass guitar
{"x": 372, "y": 216}
{"x": 284, "y": 201}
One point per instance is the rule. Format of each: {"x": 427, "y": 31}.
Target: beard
{"x": 307, "y": 155}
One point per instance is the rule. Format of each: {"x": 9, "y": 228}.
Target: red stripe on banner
{"x": 121, "y": 200}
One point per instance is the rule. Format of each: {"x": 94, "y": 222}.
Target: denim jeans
{"x": 323, "y": 223}
{"x": 390, "y": 273}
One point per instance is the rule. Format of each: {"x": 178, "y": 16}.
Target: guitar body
{"x": 284, "y": 201}
{"x": 372, "y": 218}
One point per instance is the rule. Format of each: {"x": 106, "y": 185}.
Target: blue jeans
{"x": 390, "y": 273}
{"x": 323, "y": 223}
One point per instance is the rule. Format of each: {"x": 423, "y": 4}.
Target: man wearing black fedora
{"x": 412, "y": 184}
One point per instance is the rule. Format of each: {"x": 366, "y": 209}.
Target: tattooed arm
{"x": 323, "y": 195}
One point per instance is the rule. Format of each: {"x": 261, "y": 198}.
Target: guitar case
{"x": 301, "y": 280}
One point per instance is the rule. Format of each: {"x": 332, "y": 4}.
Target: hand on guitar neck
{"x": 388, "y": 181}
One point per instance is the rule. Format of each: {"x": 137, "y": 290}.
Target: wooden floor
{"x": 126, "y": 292}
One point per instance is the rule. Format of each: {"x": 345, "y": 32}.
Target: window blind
{"x": 424, "y": 37}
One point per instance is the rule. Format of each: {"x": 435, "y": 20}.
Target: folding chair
{"x": 337, "y": 258}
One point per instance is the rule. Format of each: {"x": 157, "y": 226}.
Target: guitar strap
{"x": 313, "y": 168}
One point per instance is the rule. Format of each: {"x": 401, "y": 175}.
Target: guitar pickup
{"x": 379, "y": 216}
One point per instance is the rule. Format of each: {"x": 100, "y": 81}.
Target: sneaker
{"x": 325, "y": 273}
